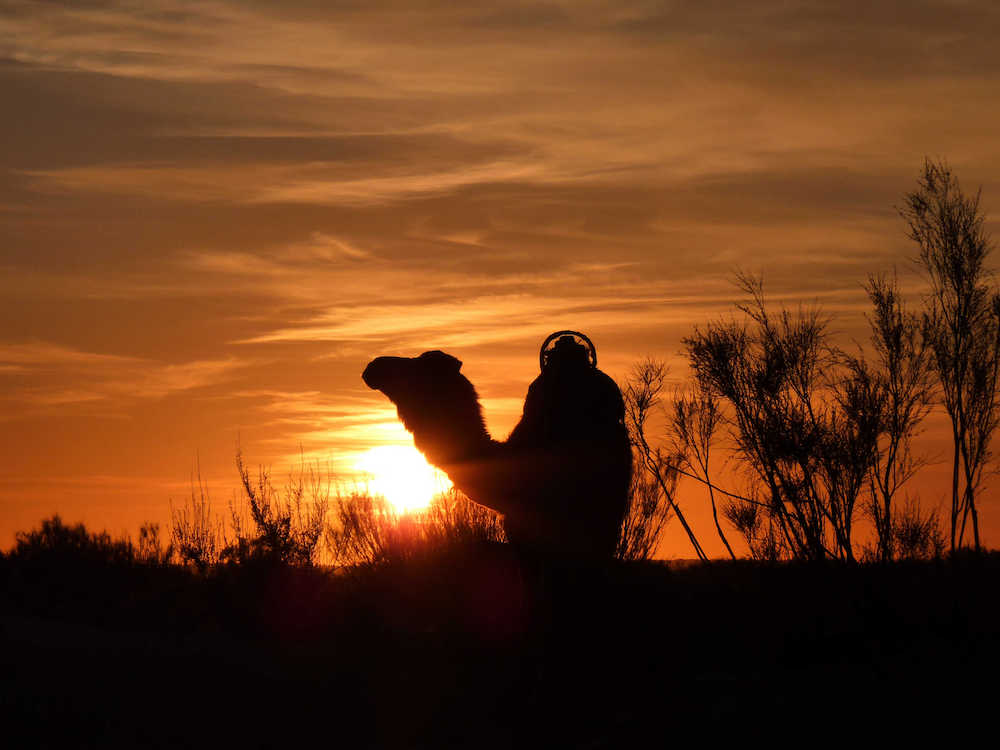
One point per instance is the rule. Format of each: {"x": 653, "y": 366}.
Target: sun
{"x": 401, "y": 474}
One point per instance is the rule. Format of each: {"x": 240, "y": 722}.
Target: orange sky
{"x": 213, "y": 214}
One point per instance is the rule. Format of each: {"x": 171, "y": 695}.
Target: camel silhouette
{"x": 561, "y": 480}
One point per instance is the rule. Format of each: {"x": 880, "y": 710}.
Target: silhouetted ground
{"x": 465, "y": 650}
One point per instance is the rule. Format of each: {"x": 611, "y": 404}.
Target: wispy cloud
{"x": 255, "y": 183}
{"x": 39, "y": 354}
{"x": 49, "y": 375}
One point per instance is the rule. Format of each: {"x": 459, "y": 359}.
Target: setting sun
{"x": 402, "y": 475}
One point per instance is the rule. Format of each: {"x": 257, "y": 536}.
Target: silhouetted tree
{"x": 647, "y": 512}
{"x": 750, "y": 518}
{"x": 896, "y": 388}
{"x": 961, "y": 325}
{"x": 810, "y": 455}
{"x": 695, "y": 419}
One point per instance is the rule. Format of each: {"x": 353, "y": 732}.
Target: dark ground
{"x": 465, "y": 651}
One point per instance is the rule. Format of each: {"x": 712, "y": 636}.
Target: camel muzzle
{"x": 379, "y": 371}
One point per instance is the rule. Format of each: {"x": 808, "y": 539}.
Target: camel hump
{"x": 587, "y": 405}
{"x": 570, "y": 404}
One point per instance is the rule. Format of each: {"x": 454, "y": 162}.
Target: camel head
{"x": 411, "y": 379}
{"x": 434, "y": 401}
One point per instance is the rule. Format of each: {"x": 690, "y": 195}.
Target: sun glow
{"x": 402, "y": 475}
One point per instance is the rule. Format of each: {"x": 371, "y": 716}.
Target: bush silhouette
{"x": 367, "y": 531}
{"x": 57, "y": 544}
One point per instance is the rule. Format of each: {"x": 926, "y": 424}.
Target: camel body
{"x": 561, "y": 479}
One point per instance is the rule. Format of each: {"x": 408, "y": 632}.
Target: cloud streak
{"x": 48, "y": 375}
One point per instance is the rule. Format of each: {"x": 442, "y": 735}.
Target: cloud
{"x": 45, "y": 354}
{"x": 159, "y": 381}
{"x": 49, "y": 375}
{"x": 657, "y": 94}
{"x": 322, "y": 246}
{"x": 383, "y": 189}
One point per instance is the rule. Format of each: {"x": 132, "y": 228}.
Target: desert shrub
{"x": 150, "y": 549}
{"x": 283, "y": 526}
{"x": 65, "y": 571}
{"x": 757, "y": 527}
{"x": 59, "y": 544}
{"x": 366, "y": 530}
{"x": 647, "y": 514}
{"x": 196, "y": 535}
{"x": 772, "y": 371}
{"x": 453, "y": 519}
{"x": 917, "y": 534}
{"x": 361, "y": 528}
{"x": 654, "y": 475}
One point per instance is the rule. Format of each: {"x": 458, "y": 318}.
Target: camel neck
{"x": 447, "y": 442}
{"x": 471, "y": 444}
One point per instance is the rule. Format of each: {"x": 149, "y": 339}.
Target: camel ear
{"x": 441, "y": 362}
